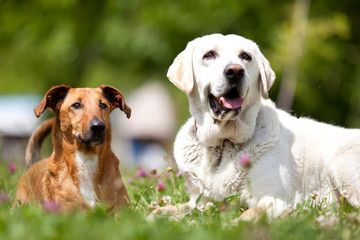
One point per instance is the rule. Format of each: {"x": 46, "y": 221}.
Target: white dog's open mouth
{"x": 226, "y": 103}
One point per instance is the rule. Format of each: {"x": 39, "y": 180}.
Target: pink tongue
{"x": 231, "y": 103}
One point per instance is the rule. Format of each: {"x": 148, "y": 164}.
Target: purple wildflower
{"x": 153, "y": 171}
{"x": 140, "y": 173}
{"x": 130, "y": 180}
{"x": 155, "y": 175}
{"x": 50, "y": 206}
{"x": 161, "y": 186}
{"x": 245, "y": 160}
{"x": 4, "y": 197}
{"x": 12, "y": 168}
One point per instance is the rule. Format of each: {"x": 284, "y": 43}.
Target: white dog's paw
{"x": 250, "y": 215}
{"x": 174, "y": 213}
{"x": 273, "y": 210}
{"x": 170, "y": 210}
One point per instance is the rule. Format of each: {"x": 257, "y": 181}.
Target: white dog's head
{"x": 224, "y": 77}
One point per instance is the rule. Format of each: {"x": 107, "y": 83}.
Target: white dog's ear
{"x": 267, "y": 75}
{"x": 180, "y": 72}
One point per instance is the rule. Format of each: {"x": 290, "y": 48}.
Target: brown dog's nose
{"x": 234, "y": 72}
{"x": 97, "y": 126}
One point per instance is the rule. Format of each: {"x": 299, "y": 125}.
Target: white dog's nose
{"x": 234, "y": 72}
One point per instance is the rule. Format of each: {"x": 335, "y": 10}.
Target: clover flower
{"x": 153, "y": 171}
{"x": 314, "y": 195}
{"x": 51, "y": 206}
{"x": 161, "y": 186}
{"x": 327, "y": 220}
{"x": 154, "y": 205}
{"x": 165, "y": 200}
{"x": 155, "y": 175}
{"x": 140, "y": 173}
{"x": 245, "y": 160}
{"x": 130, "y": 180}
{"x": 204, "y": 207}
{"x": 4, "y": 197}
{"x": 344, "y": 195}
{"x": 12, "y": 168}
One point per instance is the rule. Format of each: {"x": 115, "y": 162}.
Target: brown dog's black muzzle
{"x": 97, "y": 126}
{"x": 96, "y": 133}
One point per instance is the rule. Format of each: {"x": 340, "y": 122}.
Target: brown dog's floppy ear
{"x": 116, "y": 99}
{"x": 267, "y": 75}
{"x": 180, "y": 72}
{"x": 52, "y": 99}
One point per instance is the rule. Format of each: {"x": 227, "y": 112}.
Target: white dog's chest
{"x": 218, "y": 171}
{"x": 87, "y": 166}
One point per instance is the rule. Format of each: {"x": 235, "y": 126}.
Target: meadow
{"x": 151, "y": 189}
{"x": 125, "y": 44}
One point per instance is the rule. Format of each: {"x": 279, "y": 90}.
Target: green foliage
{"x": 124, "y": 43}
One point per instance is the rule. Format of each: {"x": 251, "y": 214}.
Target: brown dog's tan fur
{"x": 59, "y": 177}
{"x": 35, "y": 141}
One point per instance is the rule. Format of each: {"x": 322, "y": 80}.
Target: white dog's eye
{"x": 209, "y": 55}
{"x": 245, "y": 56}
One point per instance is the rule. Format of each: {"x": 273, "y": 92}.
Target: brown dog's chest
{"x": 87, "y": 165}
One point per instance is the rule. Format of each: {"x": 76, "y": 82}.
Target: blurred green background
{"x": 127, "y": 42}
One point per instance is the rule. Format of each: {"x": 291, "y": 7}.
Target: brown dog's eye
{"x": 76, "y": 105}
{"x": 245, "y": 56}
{"x": 103, "y": 105}
{"x": 209, "y": 55}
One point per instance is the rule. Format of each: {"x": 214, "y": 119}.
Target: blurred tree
{"x": 124, "y": 43}
{"x": 294, "y": 53}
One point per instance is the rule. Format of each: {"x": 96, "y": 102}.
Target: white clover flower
{"x": 314, "y": 195}
{"x": 209, "y": 204}
{"x": 306, "y": 209}
{"x": 205, "y": 207}
{"x": 327, "y": 220}
{"x": 154, "y": 205}
{"x": 192, "y": 222}
{"x": 201, "y": 207}
{"x": 165, "y": 200}
{"x": 344, "y": 195}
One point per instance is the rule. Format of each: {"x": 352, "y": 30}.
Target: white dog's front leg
{"x": 272, "y": 206}
{"x": 175, "y": 212}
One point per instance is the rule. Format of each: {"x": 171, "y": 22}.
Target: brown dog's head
{"x": 83, "y": 113}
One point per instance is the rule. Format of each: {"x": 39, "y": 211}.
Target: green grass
{"x": 33, "y": 222}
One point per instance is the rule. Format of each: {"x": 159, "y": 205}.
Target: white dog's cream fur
{"x": 291, "y": 157}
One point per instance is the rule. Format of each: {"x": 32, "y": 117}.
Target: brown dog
{"x": 82, "y": 168}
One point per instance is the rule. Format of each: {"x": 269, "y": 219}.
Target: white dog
{"x": 227, "y": 79}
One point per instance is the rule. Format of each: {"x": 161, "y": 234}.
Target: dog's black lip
{"x": 91, "y": 141}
